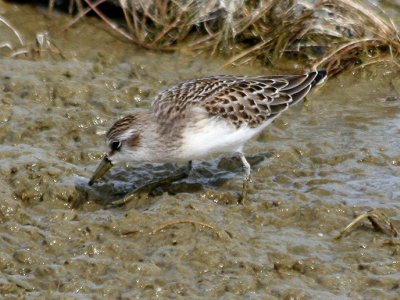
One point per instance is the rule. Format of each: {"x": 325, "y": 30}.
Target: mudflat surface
{"x": 317, "y": 166}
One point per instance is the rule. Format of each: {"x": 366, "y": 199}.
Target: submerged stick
{"x": 149, "y": 187}
{"x": 163, "y": 226}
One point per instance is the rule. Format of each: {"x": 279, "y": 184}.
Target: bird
{"x": 202, "y": 117}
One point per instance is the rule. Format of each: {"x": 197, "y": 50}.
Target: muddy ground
{"x": 314, "y": 169}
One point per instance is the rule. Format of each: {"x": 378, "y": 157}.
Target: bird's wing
{"x": 174, "y": 102}
{"x": 238, "y": 99}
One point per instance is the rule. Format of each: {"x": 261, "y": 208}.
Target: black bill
{"x": 101, "y": 169}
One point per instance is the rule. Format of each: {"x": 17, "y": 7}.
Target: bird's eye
{"x": 115, "y": 145}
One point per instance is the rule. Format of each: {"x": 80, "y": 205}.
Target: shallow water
{"x": 319, "y": 164}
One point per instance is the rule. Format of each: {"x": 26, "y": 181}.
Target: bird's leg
{"x": 246, "y": 179}
{"x": 189, "y": 167}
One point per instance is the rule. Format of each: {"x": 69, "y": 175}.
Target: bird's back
{"x": 240, "y": 100}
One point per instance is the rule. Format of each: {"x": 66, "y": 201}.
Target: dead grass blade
{"x": 81, "y": 14}
{"x": 113, "y": 25}
{"x": 13, "y": 29}
{"x": 378, "y": 220}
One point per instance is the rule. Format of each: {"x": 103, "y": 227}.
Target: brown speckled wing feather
{"x": 238, "y": 99}
{"x": 174, "y": 102}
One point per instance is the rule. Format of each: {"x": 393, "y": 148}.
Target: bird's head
{"x": 124, "y": 143}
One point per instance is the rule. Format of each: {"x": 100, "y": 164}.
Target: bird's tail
{"x": 320, "y": 78}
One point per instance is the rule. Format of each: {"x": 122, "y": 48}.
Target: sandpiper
{"x": 197, "y": 118}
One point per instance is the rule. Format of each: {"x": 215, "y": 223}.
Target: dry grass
{"x": 378, "y": 220}
{"x": 14, "y": 30}
{"x": 331, "y": 34}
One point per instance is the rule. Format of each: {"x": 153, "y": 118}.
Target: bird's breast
{"x": 213, "y": 135}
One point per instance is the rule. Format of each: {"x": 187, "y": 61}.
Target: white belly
{"x": 213, "y": 136}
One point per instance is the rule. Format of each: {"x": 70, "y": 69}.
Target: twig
{"x": 246, "y": 52}
{"x": 379, "y": 61}
{"x": 171, "y": 26}
{"x": 336, "y": 51}
{"x": 124, "y": 6}
{"x": 8, "y": 24}
{"x": 81, "y": 14}
{"x": 108, "y": 21}
{"x": 163, "y": 226}
{"x": 6, "y": 45}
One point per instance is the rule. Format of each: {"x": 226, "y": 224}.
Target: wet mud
{"x": 323, "y": 162}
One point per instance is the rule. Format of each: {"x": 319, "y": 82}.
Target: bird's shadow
{"x": 143, "y": 183}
